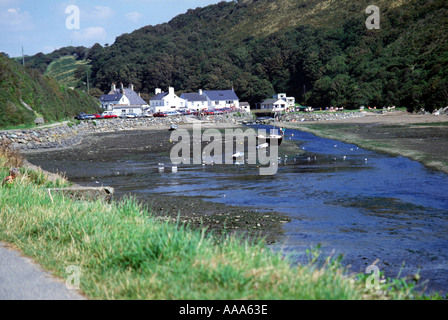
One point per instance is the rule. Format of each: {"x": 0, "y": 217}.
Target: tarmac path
{"x": 22, "y": 279}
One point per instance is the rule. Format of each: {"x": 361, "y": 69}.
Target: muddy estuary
{"x": 358, "y": 203}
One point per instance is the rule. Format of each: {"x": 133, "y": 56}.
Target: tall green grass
{"x": 125, "y": 253}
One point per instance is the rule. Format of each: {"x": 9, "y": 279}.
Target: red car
{"x": 110, "y": 116}
{"x": 97, "y": 116}
{"x": 160, "y": 115}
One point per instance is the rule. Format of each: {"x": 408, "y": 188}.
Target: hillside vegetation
{"x": 25, "y": 94}
{"x": 68, "y": 71}
{"x": 319, "y": 51}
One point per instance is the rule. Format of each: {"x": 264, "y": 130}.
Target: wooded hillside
{"x": 321, "y": 52}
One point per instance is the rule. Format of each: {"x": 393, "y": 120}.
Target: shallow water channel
{"x": 355, "y": 202}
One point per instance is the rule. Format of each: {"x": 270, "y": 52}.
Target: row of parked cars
{"x": 85, "y": 116}
{"x": 192, "y": 112}
{"x": 108, "y": 115}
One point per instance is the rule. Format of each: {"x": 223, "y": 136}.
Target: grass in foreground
{"x": 124, "y": 252}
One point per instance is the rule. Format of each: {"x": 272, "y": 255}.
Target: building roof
{"x": 272, "y": 101}
{"x": 221, "y": 95}
{"x": 134, "y": 98}
{"x": 193, "y": 97}
{"x": 111, "y": 97}
{"x": 159, "y": 96}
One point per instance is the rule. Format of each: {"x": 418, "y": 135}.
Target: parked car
{"x": 97, "y": 116}
{"x": 131, "y": 115}
{"x": 109, "y": 116}
{"x": 160, "y": 114}
{"x": 81, "y": 116}
{"x": 85, "y": 117}
{"x": 148, "y": 115}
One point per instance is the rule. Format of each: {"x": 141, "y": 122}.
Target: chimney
{"x": 158, "y": 91}
{"x": 122, "y": 88}
{"x": 114, "y": 87}
{"x": 131, "y": 86}
{"x": 200, "y": 92}
{"x": 170, "y": 90}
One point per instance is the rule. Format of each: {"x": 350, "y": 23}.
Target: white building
{"x": 290, "y": 101}
{"x": 195, "y": 101}
{"x": 123, "y": 101}
{"x": 274, "y": 105}
{"x": 220, "y": 99}
{"x": 166, "y": 101}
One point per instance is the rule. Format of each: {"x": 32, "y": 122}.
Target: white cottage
{"x": 195, "y": 101}
{"x": 274, "y": 105}
{"x": 290, "y": 101}
{"x": 220, "y": 99}
{"x": 166, "y": 101}
{"x": 123, "y": 101}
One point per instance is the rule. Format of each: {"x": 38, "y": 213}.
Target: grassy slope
{"x": 267, "y": 17}
{"x": 62, "y": 70}
{"x": 44, "y": 95}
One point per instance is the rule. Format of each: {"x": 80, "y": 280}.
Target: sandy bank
{"x": 422, "y": 138}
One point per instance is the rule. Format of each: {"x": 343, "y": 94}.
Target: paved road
{"x": 22, "y": 279}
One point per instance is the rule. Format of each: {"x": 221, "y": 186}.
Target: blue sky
{"x": 41, "y": 25}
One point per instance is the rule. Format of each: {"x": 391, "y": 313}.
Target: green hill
{"x": 25, "y": 94}
{"x": 64, "y": 70}
{"x": 319, "y": 51}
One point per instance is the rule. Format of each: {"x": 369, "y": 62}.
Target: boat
{"x": 263, "y": 146}
{"x": 261, "y": 139}
{"x": 173, "y": 127}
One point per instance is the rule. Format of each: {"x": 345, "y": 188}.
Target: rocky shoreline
{"x": 71, "y": 133}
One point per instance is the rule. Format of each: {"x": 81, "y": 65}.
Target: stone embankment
{"x": 71, "y": 133}
{"x": 326, "y": 116}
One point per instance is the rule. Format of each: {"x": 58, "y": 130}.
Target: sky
{"x": 47, "y": 25}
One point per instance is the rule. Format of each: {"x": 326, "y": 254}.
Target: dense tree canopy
{"x": 322, "y": 55}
